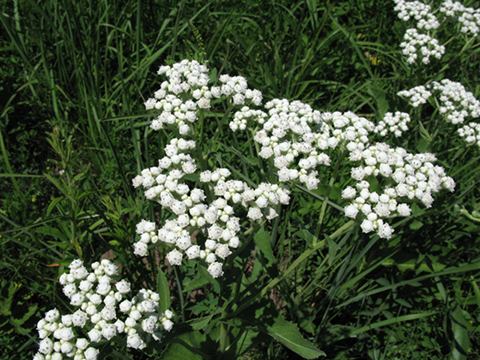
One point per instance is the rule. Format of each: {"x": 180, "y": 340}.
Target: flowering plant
{"x": 218, "y": 221}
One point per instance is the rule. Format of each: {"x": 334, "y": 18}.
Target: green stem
{"x": 223, "y": 336}
{"x": 180, "y": 293}
{"x": 296, "y": 263}
{"x": 327, "y": 195}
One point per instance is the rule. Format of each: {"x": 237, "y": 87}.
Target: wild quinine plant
{"x": 214, "y": 209}
{"x": 210, "y": 220}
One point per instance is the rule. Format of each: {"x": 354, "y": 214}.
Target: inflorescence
{"x": 106, "y": 309}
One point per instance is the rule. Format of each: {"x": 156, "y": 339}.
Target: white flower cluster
{"x": 296, "y": 140}
{"x": 407, "y": 176}
{"x": 346, "y": 130}
{"x": 98, "y": 299}
{"x": 163, "y": 182}
{"x": 420, "y": 46}
{"x": 393, "y": 123}
{"x": 288, "y": 134}
{"x": 417, "y": 95}
{"x": 456, "y": 103}
{"x": 418, "y": 11}
{"x": 245, "y": 114}
{"x": 419, "y": 43}
{"x": 469, "y": 18}
{"x": 185, "y": 92}
{"x": 471, "y": 133}
{"x": 216, "y": 220}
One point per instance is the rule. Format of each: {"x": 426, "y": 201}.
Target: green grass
{"x": 74, "y": 79}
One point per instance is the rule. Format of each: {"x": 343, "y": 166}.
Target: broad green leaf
{"x": 415, "y": 225}
{"x": 199, "y": 324}
{"x": 262, "y": 239}
{"x": 186, "y": 347}
{"x": 19, "y": 322}
{"x": 460, "y": 327}
{"x": 163, "y": 290}
{"x": 289, "y": 335}
{"x": 380, "y": 98}
{"x": 198, "y": 281}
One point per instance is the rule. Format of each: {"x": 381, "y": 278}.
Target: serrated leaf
{"x": 262, "y": 239}
{"x": 289, "y": 335}
{"x": 163, "y": 290}
{"x": 19, "y": 322}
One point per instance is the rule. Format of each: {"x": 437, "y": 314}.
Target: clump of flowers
{"x": 292, "y": 137}
{"x": 393, "y": 123}
{"x": 454, "y": 103}
{"x": 468, "y": 17}
{"x": 406, "y": 177}
{"x": 417, "y": 11}
{"x": 418, "y": 46}
{"x": 471, "y": 133}
{"x": 105, "y": 310}
{"x": 416, "y": 96}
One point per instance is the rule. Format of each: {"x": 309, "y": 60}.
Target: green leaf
{"x": 289, "y": 335}
{"x": 380, "y": 98}
{"x": 185, "y": 347}
{"x": 53, "y": 204}
{"x": 200, "y": 324}
{"x": 19, "y": 322}
{"x": 460, "y": 327}
{"x": 306, "y": 235}
{"x": 262, "y": 239}
{"x": 415, "y": 225}
{"x": 47, "y": 230}
{"x": 163, "y": 290}
{"x": 196, "y": 283}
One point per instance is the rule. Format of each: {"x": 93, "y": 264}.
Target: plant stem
{"x": 296, "y": 263}
{"x": 327, "y": 195}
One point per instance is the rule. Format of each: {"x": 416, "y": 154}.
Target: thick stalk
{"x": 327, "y": 195}
{"x": 296, "y": 263}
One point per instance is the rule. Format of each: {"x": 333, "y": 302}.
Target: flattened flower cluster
{"x": 185, "y": 92}
{"x": 471, "y": 133}
{"x": 456, "y": 103}
{"x": 288, "y": 136}
{"x": 217, "y": 220}
{"x": 393, "y": 123}
{"x": 468, "y": 18}
{"x": 97, "y": 319}
{"x": 416, "y": 96}
{"x": 406, "y": 176}
{"x": 417, "y": 11}
{"x": 297, "y": 141}
{"x": 418, "y": 46}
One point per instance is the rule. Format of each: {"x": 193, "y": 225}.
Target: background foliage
{"x": 72, "y": 136}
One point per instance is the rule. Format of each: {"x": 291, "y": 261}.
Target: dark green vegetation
{"x": 73, "y": 134}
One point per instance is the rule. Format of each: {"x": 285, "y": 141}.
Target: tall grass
{"x": 75, "y": 75}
